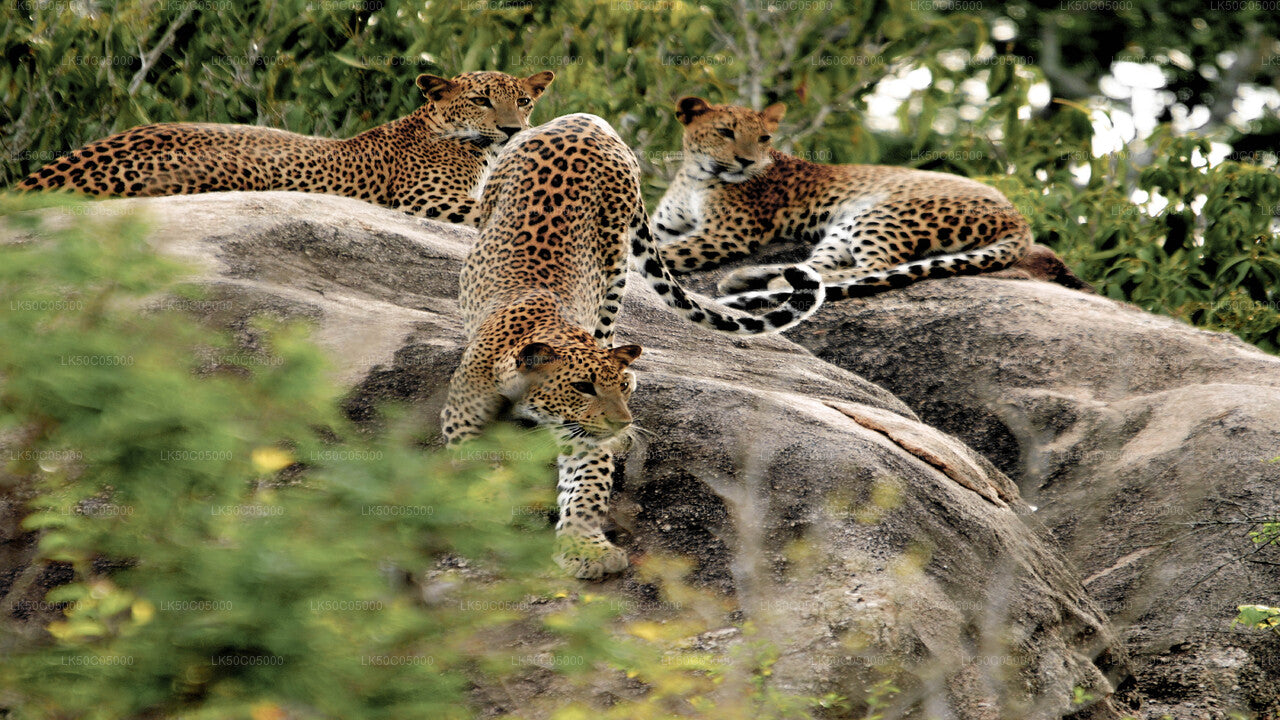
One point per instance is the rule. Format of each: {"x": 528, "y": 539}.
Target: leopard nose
{"x": 509, "y": 131}
{"x": 744, "y": 162}
{"x": 618, "y": 423}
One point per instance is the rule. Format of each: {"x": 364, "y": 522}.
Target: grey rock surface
{"x": 1145, "y": 444}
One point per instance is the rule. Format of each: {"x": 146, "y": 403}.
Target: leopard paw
{"x": 590, "y": 558}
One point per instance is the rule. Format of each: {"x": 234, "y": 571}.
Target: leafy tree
{"x": 1206, "y": 51}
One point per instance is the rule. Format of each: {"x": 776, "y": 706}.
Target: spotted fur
{"x": 539, "y": 294}
{"x": 429, "y": 163}
{"x": 873, "y": 227}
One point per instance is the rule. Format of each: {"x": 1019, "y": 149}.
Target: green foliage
{"x": 1186, "y": 39}
{"x": 1210, "y": 256}
{"x": 1259, "y": 617}
{"x": 1262, "y": 617}
{"x": 235, "y": 592}
{"x": 1268, "y": 534}
{"x": 879, "y": 696}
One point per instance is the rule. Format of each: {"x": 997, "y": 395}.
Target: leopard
{"x": 562, "y": 218}
{"x": 430, "y": 163}
{"x": 871, "y": 227}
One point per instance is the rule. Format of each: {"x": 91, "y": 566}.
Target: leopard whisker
{"x": 641, "y": 429}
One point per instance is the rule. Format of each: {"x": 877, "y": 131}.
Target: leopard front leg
{"x": 706, "y": 249}
{"x": 673, "y": 217}
{"x": 585, "y": 481}
{"x": 717, "y": 239}
{"x": 861, "y": 282}
{"x": 833, "y": 252}
{"x": 470, "y": 405}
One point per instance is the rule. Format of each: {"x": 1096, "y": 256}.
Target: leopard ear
{"x": 772, "y": 115}
{"x": 539, "y": 82}
{"x": 436, "y": 88}
{"x": 626, "y": 354}
{"x": 689, "y": 108}
{"x": 534, "y": 356}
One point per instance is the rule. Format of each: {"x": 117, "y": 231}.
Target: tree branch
{"x": 149, "y": 59}
{"x": 1064, "y": 83}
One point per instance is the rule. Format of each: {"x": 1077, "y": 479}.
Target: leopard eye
{"x": 481, "y": 101}
{"x": 765, "y": 138}
{"x": 523, "y": 102}
{"x": 585, "y": 388}
{"x": 725, "y": 133}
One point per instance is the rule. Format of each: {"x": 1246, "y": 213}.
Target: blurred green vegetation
{"x": 77, "y": 71}
{"x": 234, "y": 592}
{"x": 1262, "y": 617}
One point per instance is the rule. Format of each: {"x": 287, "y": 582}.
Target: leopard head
{"x": 484, "y": 107}
{"x": 727, "y": 142}
{"x": 577, "y": 389}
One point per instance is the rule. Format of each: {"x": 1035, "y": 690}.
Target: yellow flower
{"x": 271, "y": 459}
{"x": 142, "y": 611}
{"x": 650, "y": 631}
{"x": 267, "y": 711}
{"x": 76, "y": 629}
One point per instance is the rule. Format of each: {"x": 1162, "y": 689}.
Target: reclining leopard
{"x": 539, "y": 294}
{"x": 429, "y": 163}
{"x": 873, "y": 227}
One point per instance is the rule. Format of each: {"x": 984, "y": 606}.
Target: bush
{"x": 234, "y": 590}
{"x": 1210, "y": 256}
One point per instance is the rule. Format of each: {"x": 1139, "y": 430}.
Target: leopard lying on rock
{"x": 430, "y": 163}
{"x": 873, "y": 227}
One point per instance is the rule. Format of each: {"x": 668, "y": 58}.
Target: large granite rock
{"x": 862, "y": 542}
{"x": 1145, "y": 444}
